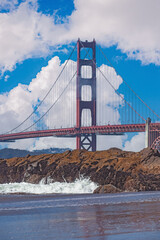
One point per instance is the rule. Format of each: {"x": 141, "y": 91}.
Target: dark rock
{"x": 109, "y": 188}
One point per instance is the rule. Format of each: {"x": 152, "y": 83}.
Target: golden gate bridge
{"x": 88, "y": 98}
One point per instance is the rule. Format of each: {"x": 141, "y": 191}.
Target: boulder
{"x": 109, "y": 188}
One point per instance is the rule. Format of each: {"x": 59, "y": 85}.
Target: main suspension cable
{"x": 52, "y": 104}
{"x": 40, "y": 103}
{"x": 115, "y": 88}
{"x": 127, "y": 84}
{"x": 87, "y": 51}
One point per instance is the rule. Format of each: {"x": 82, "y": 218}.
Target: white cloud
{"x": 136, "y": 143}
{"x": 19, "y": 103}
{"x": 132, "y": 25}
{"x": 45, "y": 143}
{"x": 24, "y": 144}
{"x": 106, "y": 142}
{"x": 27, "y": 33}
{"x": 8, "y": 4}
{"x": 42, "y": 143}
{"x": 14, "y": 107}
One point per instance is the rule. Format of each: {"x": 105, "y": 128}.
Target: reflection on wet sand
{"x": 88, "y": 217}
{"x": 102, "y": 221}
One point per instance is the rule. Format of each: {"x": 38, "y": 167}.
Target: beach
{"x": 80, "y": 216}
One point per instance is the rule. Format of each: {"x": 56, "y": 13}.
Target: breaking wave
{"x": 81, "y": 185}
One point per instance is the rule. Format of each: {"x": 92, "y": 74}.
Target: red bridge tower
{"x": 86, "y": 141}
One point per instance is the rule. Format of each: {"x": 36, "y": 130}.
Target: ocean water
{"x": 57, "y": 216}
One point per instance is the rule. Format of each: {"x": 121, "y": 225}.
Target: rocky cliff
{"x": 114, "y": 170}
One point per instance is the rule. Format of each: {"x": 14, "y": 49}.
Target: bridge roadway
{"x": 73, "y": 132}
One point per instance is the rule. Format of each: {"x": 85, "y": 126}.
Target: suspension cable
{"x": 59, "y": 95}
{"x": 114, "y": 87}
{"x": 52, "y": 104}
{"x": 40, "y": 103}
{"x": 127, "y": 84}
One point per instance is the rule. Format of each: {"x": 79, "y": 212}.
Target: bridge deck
{"x": 73, "y": 132}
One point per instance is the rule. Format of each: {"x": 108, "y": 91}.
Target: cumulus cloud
{"x": 42, "y": 143}
{"x": 8, "y": 4}
{"x": 20, "y": 102}
{"x": 25, "y": 32}
{"x": 14, "y": 107}
{"x": 106, "y": 142}
{"x": 45, "y": 143}
{"x": 136, "y": 143}
{"x": 131, "y": 25}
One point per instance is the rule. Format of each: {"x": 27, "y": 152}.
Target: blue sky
{"x": 35, "y": 31}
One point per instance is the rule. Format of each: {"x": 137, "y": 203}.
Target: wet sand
{"x": 97, "y": 217}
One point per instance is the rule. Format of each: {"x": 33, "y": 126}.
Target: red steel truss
{"x": 74, "y": 132}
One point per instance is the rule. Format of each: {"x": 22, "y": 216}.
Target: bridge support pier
{"x": 151, "y": 133}
{"x": 86, "y": 141}
{"x": 147, "y": 133}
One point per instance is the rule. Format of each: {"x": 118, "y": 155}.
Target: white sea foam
{"x": 81, "y": 185}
